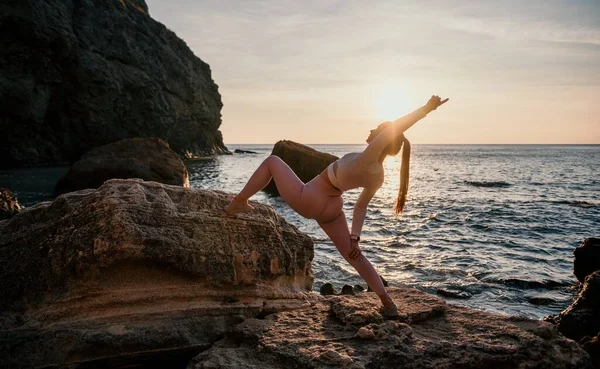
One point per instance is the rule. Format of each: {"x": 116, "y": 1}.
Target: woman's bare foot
{"x": 236, "y": 207}
{"x": 390, "y": 311}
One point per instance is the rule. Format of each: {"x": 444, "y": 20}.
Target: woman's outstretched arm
{"x": 384, "y": 138}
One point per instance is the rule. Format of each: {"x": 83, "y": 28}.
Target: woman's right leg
{"x": 338, "y": 232}
{"x": 287, "y": 182}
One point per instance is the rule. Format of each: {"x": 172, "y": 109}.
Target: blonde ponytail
{"x": 404, "y": 172}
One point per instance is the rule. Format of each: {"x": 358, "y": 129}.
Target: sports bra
{"x": 352, "y": 173}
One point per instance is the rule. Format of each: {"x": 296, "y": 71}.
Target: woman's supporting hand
{"x": 434, "y": 102}
{"x": 355, "y": 253}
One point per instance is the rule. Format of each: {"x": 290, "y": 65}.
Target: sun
{"x": 390, "y": 102}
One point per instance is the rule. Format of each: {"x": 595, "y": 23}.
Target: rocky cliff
{"x": 76, "y": 74}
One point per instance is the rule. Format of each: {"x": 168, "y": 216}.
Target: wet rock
{"x": 587, "y": 258}
{"x": 9, "y": 205}
{"x": 137, "y": 272}
{"x": 358, "y": 288}
{"x": 593, "y": 348}
{"x": 453, "y": 294}
{"x": 459, "y": 337}
{"x": 305, "y": 161}
{"x": 150, "y": 159}
{"x": 541, "y": 300}
{"x": 238, "y": 151}
{"x": 582, "y": 318}
{"x": 327, "y": 289}
{"x": 347, "y": 290}
{"x": 80, "y": 74}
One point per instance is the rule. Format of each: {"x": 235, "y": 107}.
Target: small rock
{"x": 327, "y": 289}
{"x": 358, "y": 288}
{"x": 366, "y": 333}
{"x": 347, "y": 290}
{"x": 541, "y": 300}
{"x": 454, "y": 294}
{"x": 238, "y": 151}
{"x": 9, "y": 205}
{"x": 332, "y": 357}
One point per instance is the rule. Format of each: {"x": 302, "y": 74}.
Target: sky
{"x": 329, "y": 71}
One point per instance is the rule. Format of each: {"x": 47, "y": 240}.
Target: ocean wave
{"x": 579, "y": 204}
{"x": 494, "y": 184}
{"x": 527, "y": 285}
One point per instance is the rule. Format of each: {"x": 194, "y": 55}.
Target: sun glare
{"x": 391, "y": 102}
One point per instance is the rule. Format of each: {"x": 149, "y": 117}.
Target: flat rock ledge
{"x": 349, "y": 332}
{"x": 141, "y": 274}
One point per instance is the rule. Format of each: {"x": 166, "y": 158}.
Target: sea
{"x": 492, "y": 227}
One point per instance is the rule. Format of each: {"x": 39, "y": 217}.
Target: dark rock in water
{"x": 454, "y": 294}
{"x": 305, "y": 161}
{"x": 385, "y": 284}
{"x": 9, "y": 205}
{"x": 238, "y": 151}
{"x": 587, "y": 258}
{"x": 150, "y": 159}
{"x": 80, "y": 74}
{"x": 582, "y": 318}
{"x": 347, "y": 290}
{"x": 541, "y": 300}
{"x": 327, "y": 289}
{"x": 349, "y": 332}
{"x": 358, "y": 288}
{"x": 139, "y": 272}
{"x": 497, "y": 184}
{"x": 593, "y": 348}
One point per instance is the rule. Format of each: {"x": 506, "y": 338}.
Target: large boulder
{"x": 76, "y": 74}
{"x": 150, "y": 159}
{"x": 9, "y": 205}
{"x": 349, "y": 332}
{"x": 582, "y": 318}
{"x": 305, "y": 161}
{"x": 587, "y": 258}
{"x": 137, "y": 273}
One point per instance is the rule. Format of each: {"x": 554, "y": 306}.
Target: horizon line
{"x": 431, "y": 144}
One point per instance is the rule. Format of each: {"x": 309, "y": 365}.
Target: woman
{"x": 321, "y": 199}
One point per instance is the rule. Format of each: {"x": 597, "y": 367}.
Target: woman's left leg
{"x": 338, "y": 232}
{"x": 287, "y": 182}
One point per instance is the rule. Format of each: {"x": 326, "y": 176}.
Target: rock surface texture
{"x": 139, "y": 272}
{"x": 9, "y": 205}
{"x": 305, "y": 161}
{"x": 582, "y": 318}
{"x": 587, "y": 258}
{"x": 349, "y": 332}
{"x": 150, "y": 159}
{"x": 77, "y": 74}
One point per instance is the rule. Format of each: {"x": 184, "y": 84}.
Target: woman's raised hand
{"x": 434, "y": 102}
